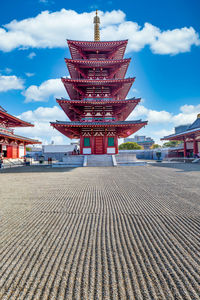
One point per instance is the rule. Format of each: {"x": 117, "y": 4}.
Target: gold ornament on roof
{"x": 198, "y": 116}
{"x": 96, "y": 27}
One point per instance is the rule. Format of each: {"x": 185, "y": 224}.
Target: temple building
{"x": 190, "y": 136}
{"x": 12, "y": 145}
{"x": 97, "y": 89}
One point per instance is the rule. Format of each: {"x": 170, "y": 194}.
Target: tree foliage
{"x": 171, "y": 144}
{"x": 155, "y": 146}
{"x": 130, "y": 146}
{"x": 28, "y": 149}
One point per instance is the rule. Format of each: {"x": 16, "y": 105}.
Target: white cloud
{"x": 50, "y": 30}
{"x": 8, "y": 70}
{"x": 41, "y": 118}
{"x": 10, "y": 83}
{"x": 187, "y": 115}
{"x": 188, "y": 109}
{"x": 163, "y": 132}
{"x": 29, "y": 74}
{"x": 51, "y": 87}
{"x": 175, "y": 41}
{"x": 31, "y": 55}
{"x": 153, "y": 116}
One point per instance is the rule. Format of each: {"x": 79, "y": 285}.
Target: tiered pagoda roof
{"x": 79, "y": 68}
{"x": 74, "y": 109}
{"x": 81, "y": 88}
{"x": 90, "y": 49}
{"x": 97, "y": 90}
{"x": 123, "y": 128}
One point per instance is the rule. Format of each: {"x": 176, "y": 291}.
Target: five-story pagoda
{"x": 97, "y": 90}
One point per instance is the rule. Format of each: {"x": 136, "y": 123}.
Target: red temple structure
{"x": 11, "y": 145}
{"x": 190, "y": 138}
{"x": 97, "y": 90}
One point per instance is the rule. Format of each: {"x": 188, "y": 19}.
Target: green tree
{"x": 28, "y": 149}
{"x": 155, "y": 146}
{"x": 171, "y": 144}
{"x": 130, "y": 146}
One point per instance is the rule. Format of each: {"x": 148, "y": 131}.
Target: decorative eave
{"x": 123, "y": 128}
{"x": 75, "y": 87}
{"x": 76, "y": 66}
{"x": 18, "y": 138}
{"x": 11, "y": 121}
{"x": 79, "y": 49}
{"x": 74, "y": 108}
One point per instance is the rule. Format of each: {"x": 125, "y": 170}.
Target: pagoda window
{"x": 86, "y": 142}
{"x": 111, "y": 142}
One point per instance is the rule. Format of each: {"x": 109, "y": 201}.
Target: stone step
{"x": 99, "y": 161}
{"x": 70, "y": 161}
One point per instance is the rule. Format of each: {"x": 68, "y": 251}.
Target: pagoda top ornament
{"x": 96, "y": 27}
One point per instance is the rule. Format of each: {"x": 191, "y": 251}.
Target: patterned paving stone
{"x": 100, "y": 233}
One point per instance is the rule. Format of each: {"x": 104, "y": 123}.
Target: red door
{"x": 98, "y": 145}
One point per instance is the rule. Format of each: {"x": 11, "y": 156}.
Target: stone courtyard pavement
{"x": 100, "y": 233}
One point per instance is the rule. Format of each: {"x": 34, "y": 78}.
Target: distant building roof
{"x": 191, "y": 129}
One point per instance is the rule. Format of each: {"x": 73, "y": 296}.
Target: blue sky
{"x": 164, "y": 45}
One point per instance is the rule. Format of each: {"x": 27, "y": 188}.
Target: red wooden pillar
{"x": 105, "y": 140}
{"x": 81, "y": 144}
{"x": 185, "y": 149}
{"x": 195, "y": 150}
{"x": 18, "y": 151}
{"x": 92, "y": 143}
{"x": 116, "y": 145}
{"x": 105, "y": 143}
{"x": 9, "y": 151}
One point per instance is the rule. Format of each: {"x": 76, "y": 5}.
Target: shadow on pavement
{"x": 182, "y": 167}
{"x": 34, "y": 169}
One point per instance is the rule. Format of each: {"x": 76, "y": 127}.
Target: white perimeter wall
{"x": 57, "y": 148}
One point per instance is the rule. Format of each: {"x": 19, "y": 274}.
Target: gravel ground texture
{"x": 100, "y": 233}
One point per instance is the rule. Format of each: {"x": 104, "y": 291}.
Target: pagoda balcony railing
{"x": 98, "y": 99}
{"x": 97, "y": 119}
{"x": 97, "y": 77}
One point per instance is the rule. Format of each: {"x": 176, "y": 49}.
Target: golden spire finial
{"x": 96, "y": 27}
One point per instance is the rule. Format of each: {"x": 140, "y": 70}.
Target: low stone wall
{"x": 145, "y": 154}
{"x": 125, "y": 157}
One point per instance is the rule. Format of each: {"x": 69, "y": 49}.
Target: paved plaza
{"x": 100, "y": 233}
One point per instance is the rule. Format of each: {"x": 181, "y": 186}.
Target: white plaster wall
{"x": 111, "y": 150}
{"x": 21, "y": 151}
{"x": 58, "y": 148}
{"x": 86, "y": 150}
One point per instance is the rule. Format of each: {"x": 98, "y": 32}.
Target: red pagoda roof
{"x": 117, "y": 88}
{"x": 11, "y": 121}
{"x": 116, "y": 67}
{"x": 123, "y": 128}
{"x": 12, "y": 136}
{"x": 75, "y": 108}
{"x": 88, "y": 49}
